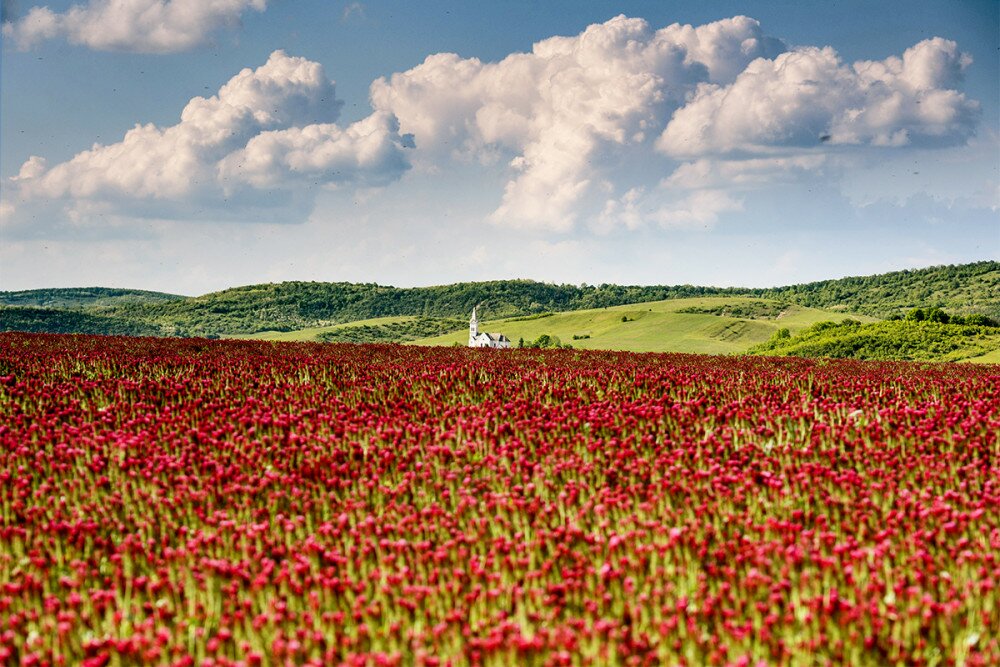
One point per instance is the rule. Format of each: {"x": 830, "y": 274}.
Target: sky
{"x": 188, "y": 146}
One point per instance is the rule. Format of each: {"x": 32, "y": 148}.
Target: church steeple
{"x": 473, "y": 327}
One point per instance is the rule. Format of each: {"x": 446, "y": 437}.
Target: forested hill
{"x": 293, "y": 305}
{"x": 965, "y": 289}
{"x": 82, "y": 297}
{"x": 61, "y": 320}
{"x": 962, "y": 288}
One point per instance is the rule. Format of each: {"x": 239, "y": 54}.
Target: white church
{"x": 484, "y": 339}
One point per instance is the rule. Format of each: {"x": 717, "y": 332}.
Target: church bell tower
{"x": 473, "y": 328}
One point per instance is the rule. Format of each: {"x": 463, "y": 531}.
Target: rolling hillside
{"x": 963, "y": 289}
{"x": 52, "y": 320}
{"x": 683, "y": 318}
{"x": 656, "y": 327}
{"x": 900, "y": 339}
{"x": 83, "y": 297}
{"x": 298, "y": 305}
{"x": 332, "y": 331}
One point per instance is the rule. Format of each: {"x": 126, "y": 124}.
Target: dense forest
{"x": 961, "y": 289}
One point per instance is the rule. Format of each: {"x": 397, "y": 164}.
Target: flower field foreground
{"x": 222, "y": 502}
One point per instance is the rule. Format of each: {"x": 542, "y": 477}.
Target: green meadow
{"x": 313, "y": 333}
{"x": 655, "y": 326}
{"x": 992, "y": 357}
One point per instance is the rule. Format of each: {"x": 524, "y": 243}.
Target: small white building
{"x": 484, "y": 339}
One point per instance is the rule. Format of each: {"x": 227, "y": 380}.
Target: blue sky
{"x": 189, "y": 147}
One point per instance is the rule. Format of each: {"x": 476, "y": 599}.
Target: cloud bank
{"x": 568, "y": 113}
{"x": 271, "y": 127}
{"x": 620, "y": 126}
{"x": 141, "y": 26}
{"x": 561, "y": 112}
{"x": 808, "y": 96}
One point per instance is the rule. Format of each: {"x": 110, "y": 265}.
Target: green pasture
{"x": 312, "y": 333}
{"x": 654, "y": 327}
{"x": 991, "y": 357}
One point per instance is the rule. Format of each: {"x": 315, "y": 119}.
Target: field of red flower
{"x": 220, "y": 502}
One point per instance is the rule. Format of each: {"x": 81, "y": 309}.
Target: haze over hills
{"x": 705, "y": 319}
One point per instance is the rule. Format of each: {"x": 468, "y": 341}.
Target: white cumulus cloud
{"x": 624, "y": 211}
{"x": 697, "y": 210}
{"x": 561, "y": 110}
{"x": 745, "y": 173}
{"x": 142, "y": 26}
{"x": 272, "y": 126}
{"x": 7, "y": 209}
{"x": 568, "y": 115}
{"x": 364, "y": 153}
{"x": 616, "y": 127}
{"x": 808, "y": 97}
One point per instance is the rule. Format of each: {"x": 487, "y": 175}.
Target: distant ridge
{"x": 82, "y": 297}
{"x": 965, "y": 288}
{"x": 55, "y": 320}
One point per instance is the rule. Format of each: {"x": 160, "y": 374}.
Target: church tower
{"x": 473, "y": 328}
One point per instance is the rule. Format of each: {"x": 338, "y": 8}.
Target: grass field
{"x": 992, "y": 357}
{"x": 312, "y": 333}
{"x": 654, "y": 327}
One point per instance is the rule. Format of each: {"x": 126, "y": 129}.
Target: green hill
{"x": 970, "y": 288}
{"x": 676, "y": 325}
{"x": 50, "y": 320}
{"x": 299, "y": 305}
{"x": 311, "y": 310}
{"x": 898, "y": 339}
{"x": 962, "y": 288}
{"x": 375, "y": 330}
{"x": 83, "y": 297}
